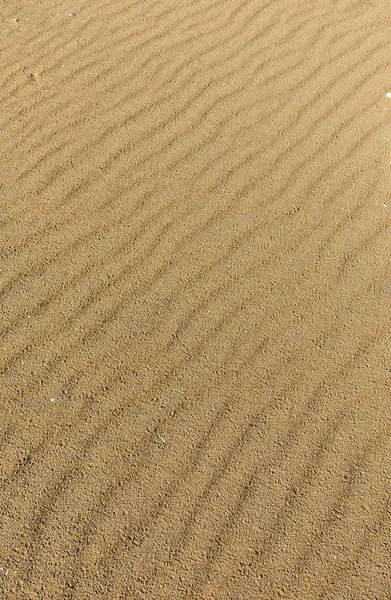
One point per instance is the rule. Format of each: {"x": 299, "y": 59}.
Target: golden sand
{"x": 195, "y": 300}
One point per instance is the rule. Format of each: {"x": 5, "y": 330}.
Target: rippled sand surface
{"x": 195, "y": 290}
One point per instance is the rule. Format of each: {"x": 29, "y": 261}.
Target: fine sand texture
{"x": 195, "y": 295}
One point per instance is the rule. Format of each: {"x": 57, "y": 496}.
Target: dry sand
{"x": 195, "y": 299}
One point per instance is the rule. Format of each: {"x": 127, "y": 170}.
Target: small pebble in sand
{"x": 388, "y": 94}
{"x": 52, "y": 399}
{"x": 72, "y": 15}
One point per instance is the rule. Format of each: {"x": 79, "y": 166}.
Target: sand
{"x": 195, "y": 300}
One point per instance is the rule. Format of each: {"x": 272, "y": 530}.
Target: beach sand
{"x": 195, "y": 300}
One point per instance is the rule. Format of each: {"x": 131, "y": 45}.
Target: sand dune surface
{"x": 195, "y": 300}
